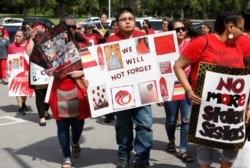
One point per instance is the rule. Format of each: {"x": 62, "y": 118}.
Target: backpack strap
{"x": 204, "y": 49}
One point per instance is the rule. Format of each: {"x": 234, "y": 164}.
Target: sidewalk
{"x": 24, "y": 144}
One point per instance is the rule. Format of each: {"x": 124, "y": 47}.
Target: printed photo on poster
{"x": 87, "y": 58}
{"x": 100, "y": 55}
{"x": 60, "y": 51}
{"x": 113, "y": 57}
{"x": 15, "y": 63}
{"x": 148, "y": 92}
{"x": 164, "y": 44}
{"x": 99, "y": 96}
{"x": 142, "y": 45}
{"x": 123, "y": 97}
{"x": 163, "y": 89}
{"x": 166, "y": 67}
{"x": 178, "y": 91}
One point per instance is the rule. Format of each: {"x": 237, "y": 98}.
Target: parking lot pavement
{"x": 24, "y": 144}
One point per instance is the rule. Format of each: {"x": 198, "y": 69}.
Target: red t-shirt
{"x": 82, "y": 44}
{"x": 93, "y": 38}
{"x": 211, "y": 50}
{"x": 6, "y": 33}
{"x": 244, "y": 43}
{"x": 15, "y": 48}
{"x": 151, "y": 31}
{"x": 119, "y": 36}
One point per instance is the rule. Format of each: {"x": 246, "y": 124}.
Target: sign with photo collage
{"x": 18, "y": 73}
{"x": 131, "y": 73}
{"x": 57, "y": 49}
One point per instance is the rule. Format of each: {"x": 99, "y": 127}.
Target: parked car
{"x": 197, "y": 24}
{"x": 31, "y": 20}
{"x": 10, "y": 20}
{"x": 155, "y": 23}
{"x": 12, "y": 28}
{"x": 98, "y": 21}
{"x": 89, "y": 20}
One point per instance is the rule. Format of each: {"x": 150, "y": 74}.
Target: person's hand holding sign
{"x": 194, "y": 99}
{"x": 247, "y": 114}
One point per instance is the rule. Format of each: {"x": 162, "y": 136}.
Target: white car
{"x": 10, "y": 20}
{"x": 89, "y": 20}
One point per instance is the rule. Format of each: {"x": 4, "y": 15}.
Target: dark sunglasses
{"x": 72, "y": 26}
{"x": 178, "y": 29}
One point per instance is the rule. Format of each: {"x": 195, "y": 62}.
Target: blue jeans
{"x": 63, "y": 133}
{"x": 143, "y": 142}
{"x": 171, "y": 110}
{"x": 205, "y": 155}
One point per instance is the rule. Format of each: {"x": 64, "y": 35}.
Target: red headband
{"x": 36, "y": 28}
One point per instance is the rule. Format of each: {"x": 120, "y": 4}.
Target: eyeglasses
{"x": 240, "y": 28}
{"x": 125, "y": 19}
{"x": 179, "y": 29}
{"x": 72, "y": 26}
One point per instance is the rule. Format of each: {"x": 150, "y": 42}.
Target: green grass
{"x": 54, "y": 20}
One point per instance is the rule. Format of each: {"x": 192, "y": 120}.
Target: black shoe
{"x": 141, "y": 165}
{"x": 47, "y": 117}
{"x": 42, "y": 124}
{"x": 122, "y": 164}
{"x": 21, "y": 111}
{"x": 109, "y": 118}
{"x": 25, "y": 108}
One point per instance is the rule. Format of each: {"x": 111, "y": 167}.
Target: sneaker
{"x": 141, "y": 165}
{"x": 67, "y": 162}
{"x": 76, "y": 150}
{"x": 4, "y": 82}
{"x": 122, "y": 163}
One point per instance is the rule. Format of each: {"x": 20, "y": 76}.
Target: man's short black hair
{"x": 124, "y": 10}
{"x": 104, "y": 13}
{"x": 113, "y": 22}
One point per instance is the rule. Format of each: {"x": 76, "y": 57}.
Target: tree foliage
{"x": 195, "y": 9}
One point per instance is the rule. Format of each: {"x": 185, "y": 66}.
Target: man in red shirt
{"x": 140, "y": 116}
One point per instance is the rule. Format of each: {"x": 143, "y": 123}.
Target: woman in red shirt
{"x": 147, "y": 28}
{"x": 222, "y": 50}
{"x": 19, "y": 46}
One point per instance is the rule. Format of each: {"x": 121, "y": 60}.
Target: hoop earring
{"x": 230, "y": 36}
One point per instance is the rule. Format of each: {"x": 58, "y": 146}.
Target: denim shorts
{"x": 205, "y": 155}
